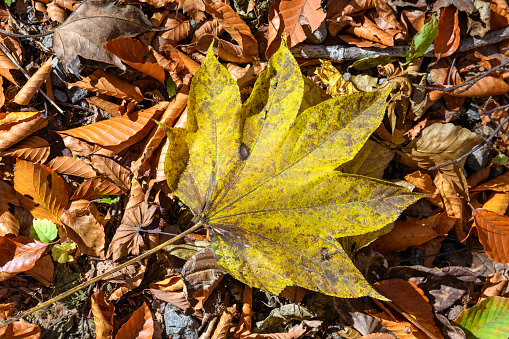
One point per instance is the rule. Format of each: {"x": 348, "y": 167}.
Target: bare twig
{"x": 15, "y": 62}
{"x": 103, "y": 275}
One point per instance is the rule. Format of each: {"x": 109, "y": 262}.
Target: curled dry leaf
{"x": 178, "y": 29}
{"x": 132, "y": 52}
{"x": 128, "y": 237}
{"x": 103, "y": 316}
{"x": 223, "y": 326}
{"x": 41, "y": 190}
{"x": 8, "y": 223}
{"x": 193, "y": 8}
{"x": 498, "y": 184}
{"x": 84, "y": 227}
{"x": 18, "y": 255}
{"x": 287, "y": 335}
{"x": 13, "y": 132}
{"x": 67, "y": 4}
{"x": 13, "y": 45}
{"x": 79, "y": 36}
{"x": 72, "y": 166}
{"x": 119, "y": 130}
{"x": 93, "y": 188}
{"x": 21, "y": 329}
{"x": 139, "y": 326}
{"x": 493, "y": 231}
{"x": 132, "y": 277}
{"x": 112, "y": 170}
{"x": 105, "y": 83}
{"x": 244, "y": 325}
{"x": 411, "y": 299}
{"x": 448, "y": 38}
{"x": 55, "y": 12}
{"x": 43, "y": 270}
{"x": 108, "y": 106}
{"x": 493, "y": 286}
{"x": 34, "y": 149}
{"x": 26, "y": 93}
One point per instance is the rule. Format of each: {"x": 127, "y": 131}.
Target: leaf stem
{"x": 103, "y": 275}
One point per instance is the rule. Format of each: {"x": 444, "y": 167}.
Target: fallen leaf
{"x": 72, "y": 166}
{"x": 13, "y": 130}
{"x": 498, "y": 203}
{"x": 336, "y": 84}
{"x": 103, "y": 316}
{"x": 41, "y": 190}
{"x": 91, "y": 189}
{"x": 448, "y": 38}
{"x": 493, "y": 286}
{"x": 21, "y": 329}
{"x": 493, "y": 231}
{"x": 8, "y": 223}
{"x": 404, "y": 235}
{"x": 128, "y": 237}
{"x": 18, "y": 255}
{"x": 79, "y": 36}
{"x": 268, "y": 168}
{"x": 118, "y": 130}
{"x": 105, "y": 83}
{"x": 26, "y": 93}
{"x": 55, "y": 12}
{"x": 108, "y": 106}
{"x": 194, "y": 8}
{"x": 223, "y": 326}
{"x": 34, "y": 149}
{"x": 498, "y": 184}
{"x": 43, "y": 270}
{"x": 244, "y": 325}
{"x": 488, "y": 319}
{"x": 112, "y": 170}
{"x": 139, "y": 326}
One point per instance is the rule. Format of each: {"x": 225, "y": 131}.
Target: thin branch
{"x": 15, "y": 62}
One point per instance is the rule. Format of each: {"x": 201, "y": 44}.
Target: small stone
{"x": 76, "y": 94}
{"x": 48, "y": 41}
{"x": 178, "y": 325}
{"x": 60, "y": 96}
{"x": 473, "y": 114}
{"x": 478, "y": 159}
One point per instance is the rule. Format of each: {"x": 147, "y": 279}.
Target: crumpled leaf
{"x": 43, "y": 230}
{"x": 27, "y": 92}
{"x": 18, "y": 254}
{"x": 140, "y": 325}
{"x": 261, "y": 177}
{"x": 8, "y": 223}
{"x": 488, "y": 320}
{"x": 336, "y": 84}
{"x": 448, "y": 39}
{"x": 493, "y": 232}
{"x": 79, "y": 34}
{"x": 422, "y": 40}
{"x": 103, "y": 316}
{"x": 283, "y": 314}
{"x": 60, "y": 252}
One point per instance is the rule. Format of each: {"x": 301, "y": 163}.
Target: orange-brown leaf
{"x": 223, "y": 325}
{"x": 403, "y": 235}
{"x": 132, "y": 52}
{"x": 43, "y": 270}
{"x": 18, "y": 254}
{"x": 13, "y": 45}
{"x": 83, "y": 226}
{"x": 498, "y": 184}
{"x": 12, "y": 133}
{"x": 244, "y": 325}
{"x": 411, "y": 299}
{"x": 493, "y": 286}
{"x": 34, "y": 149}
{"x": 55, "y": 12}
{"x": 498, "y": 202}
{"x": 21, "y": 329}
{"x": 132, "y": 277}
{"x": 493, "y": 232}
{"x": 284, "y": 335}
{"x": 178, "y": 28}
{"x": 108, "y": 106}
{"x": 136, "y": 195}
{"x": 68, "y": 4}
{"x": 26, "y": 93}
{"x": 112, "y": 170}
{"x": 105, "y": 83}
{"x": 41, "y": 190}
{"x": 103, "y": 316}
{"x": 8, "y": 223}
{"x": 448, "y": 38}
{"x": 139, "y": 326}
{"x": 92, "y": 188}
{"x": 72, "y": 166}
{"x": 114, "y": 131}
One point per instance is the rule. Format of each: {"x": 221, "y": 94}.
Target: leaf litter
{"x": 273, "y": 155}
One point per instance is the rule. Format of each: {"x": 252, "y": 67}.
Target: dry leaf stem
{"x": 15, "y": 62}
{"x": 103, "y": 275}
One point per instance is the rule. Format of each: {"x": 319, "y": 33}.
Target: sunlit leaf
{"x": 43, "y": 230}
{"x": 487, "y": 320}
{"x": 422, "y": 40}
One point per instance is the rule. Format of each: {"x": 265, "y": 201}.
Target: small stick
{"x": 103, "y": 275}
{"x": 15, "y": 62}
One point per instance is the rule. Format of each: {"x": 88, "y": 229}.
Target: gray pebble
{"x": 178, "y": 325}
{"x": 76, "y": 94}
{"x": 473, "y": 114}
{"x": 478, "y": 159}
{"x": 60, "y": 96}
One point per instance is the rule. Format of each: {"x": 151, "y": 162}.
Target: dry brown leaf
{"x": 18, "y": 255}
{"x": 41, "y": 190}
{"x": 14, "y": 46}
{"x": 119, "y": 130}
{"x": 424, "y": 184}
{"x": 411, "y": 299}
{"x": 493, "y": 231}
{"x": 493, "y": 286}
{"x": 105, "y": 105}
{"x": 244, "y": 325}
{"x": 132, "y": 52}
{"x": 34, "y": 149}
{"x": 453, "y": 203}
{"x": 105, "y": 83}
{"x": 103, "y": 316}
{"x": 490, "y": 85}
{"x": 84, "y": 227}
{"x": 93, "y": 188}
{"x": 158, "y": 160}
{"x": 378, "y": 336}
{"x": 171, "y": 284}
{"x": 72, "y": 166}
{"x": 498, "y": 203}
{"x": 223, "y": 326}
{"x": 404, "y": 235}
{"x": 8, "y": 223}
{"x": 288, "y": 13}
{"x": 128, "y": 237}
{"x": 12, "y": 133}
{"x": 136, "y": 195}
{"x": 285, "y": 335}
{"x": 21, "y": 329}
{"x": 479, "y": 176}
{"x": 168, "y": 118}
{"x": 193, "y": 8}
{"x": 43, "y": 270}
{"x": 26, "y": 93}
{"x": 79, "y": 36}
{"x": 112, "y": 170}
{"x": 132, "y": 277}
{"x": 497, "y": 117}
{"x": 498, "y": 184}
{"x": 67, "y": 4}
{"x": 2, "y": 95}
{"x": 174, "y": 54}
{"x": 55, "y": 12}
{"x": 139, "y": 326}
{"x": 448, "y": 39}
{"x": 178, "y": 28}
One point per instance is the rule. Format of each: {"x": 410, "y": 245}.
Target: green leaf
{"x": 500, "y": 159}
{"x": 170, "y": 88}
{"x": 9, "y": 2}
{"x": 487, "y": 320}
{"x": 108, "y": 199}
{"x": 422, "y": 40}
{"x": 261, "y": 176}
{"x": 60, "y": 252}
{"x": 43, "y": 230}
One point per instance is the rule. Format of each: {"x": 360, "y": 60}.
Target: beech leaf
{"x": 43, "y": 230}
{"x": 422, "y": 40}
{"x": 489, "y": 319}
{"x": 262, "y": 178}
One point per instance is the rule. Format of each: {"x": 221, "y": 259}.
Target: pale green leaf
{"x": 262, "y": 177}
{"x": 487, "y": 320}
{"x": 43, "y": 230}
{"x": 422, "y": 40}
{"x": 60, "y": 252}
